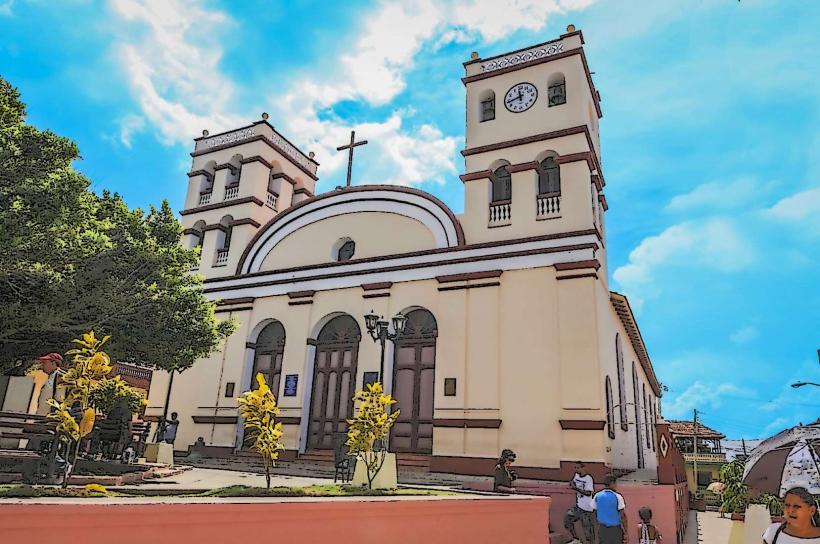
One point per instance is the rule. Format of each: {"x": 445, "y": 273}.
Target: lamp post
{"x": 378, "y": 328}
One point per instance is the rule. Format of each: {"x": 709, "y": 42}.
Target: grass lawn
{"x": 330, "y": 490}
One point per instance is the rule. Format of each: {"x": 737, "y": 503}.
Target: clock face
{"x": 520, "y": 97}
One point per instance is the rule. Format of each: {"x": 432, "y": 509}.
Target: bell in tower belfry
{"x": 239, "y": 181}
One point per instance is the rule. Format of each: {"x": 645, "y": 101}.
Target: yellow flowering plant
{"x": 258, "y": 410}
{"x": 370, "y": 426}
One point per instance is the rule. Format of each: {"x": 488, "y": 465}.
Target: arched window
{"x": 227, "y": 231}
{"x": 610, "y": 414}
{"x": 235, "y": 166}
{"x": 549, "y": 176}
{"x": 502, "y": 185}
{"x": 199, "y": 234}
{"x": 556, "y": 90}
{"x": 268, "y": 353}
{"x": 487, "y": 104}
{"x": 619, "y": 357}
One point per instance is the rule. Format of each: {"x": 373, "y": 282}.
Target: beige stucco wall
{"x": 525, "y": 352}
{"x": 375, "y": 234}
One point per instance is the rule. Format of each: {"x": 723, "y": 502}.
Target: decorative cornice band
{"x": 577, "y": 276}
{"x": 377, "y": 286}
{"x": 522, "y": 167}
{"x": 218, "y": 205}
{"x": 257, "y": 158}
{"x": 282, "y": 175}
{"x": 301, "y": 294}
{"x": 481, "y": 174}
{"x": 300, "y": 302}
{"x": 199, "y": 173}
{"x": 215, "y": 226}
{"x": 257, "y": 138}
{"x": 375, "y": 295}
{"x": 232, "y": 309}
{"x": 575, "y": 157}
{"x": 191, "y": 231}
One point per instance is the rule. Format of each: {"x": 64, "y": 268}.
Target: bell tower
{"x": 532, "y": 154}
{"x": 239, "y": 181}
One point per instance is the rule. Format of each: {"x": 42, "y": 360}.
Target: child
{"x": 647, "y": 533}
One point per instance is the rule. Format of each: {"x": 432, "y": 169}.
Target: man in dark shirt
{"x": 504, "y": 475}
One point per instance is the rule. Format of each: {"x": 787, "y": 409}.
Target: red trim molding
{"x": 576, "y": 276}
{"x": 301, "y": 294}
{"x": 522, "y": 167}
{"x": 582, "y": 424}
{"x": 246, "y": 221}
{"x": 575, "y": 265}
{"x": 377, "y": 286}
{"x": 239, "y": 300}
{"x": 471, "y": 276}
{"x": 300, "y": 302}
{"x": 470, "y": 286}
{"x": 481, "y": 174}
{"x": 256, "y": 158}
{"x": 232, "y": 309}
{"x": 468, "y": 423}
{"x": 218, "y": 420}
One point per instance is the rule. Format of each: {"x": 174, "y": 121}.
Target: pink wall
{"x": 660, "y": 498}
{"x": 409, "y": 521}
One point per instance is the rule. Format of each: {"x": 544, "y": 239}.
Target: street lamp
{"x": 801, "y": 384}
{"x": 378, "y": 328}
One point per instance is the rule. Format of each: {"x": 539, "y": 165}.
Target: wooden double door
{"x": 414, "y": 384}
{"x": 334, "y": 381}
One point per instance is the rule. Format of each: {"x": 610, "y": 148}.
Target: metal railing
{"x": 231, "y": 192}
{"x": 271, "y": 199}
{"x": 500, "y": 213}
{"x": 548, "y": 206}
{"x": 221, "y": 256}
{"x": 705, "y": 457}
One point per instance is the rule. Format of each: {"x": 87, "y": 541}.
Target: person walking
{"x": 170, "y": 431}
{"x": 647, "y": 533}
{"x": 802, "y": 520}
{"x": 583, "y": 486}
{"x": 610, "y": 512}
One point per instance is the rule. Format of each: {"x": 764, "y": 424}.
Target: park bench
{"x": 30, "y": 447}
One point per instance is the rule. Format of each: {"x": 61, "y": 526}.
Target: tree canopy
{"x": 73, "y": 261}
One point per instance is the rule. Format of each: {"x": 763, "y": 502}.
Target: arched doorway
{"x": 414, "y": 384}
{"x": 267, "y": 360}
{"x": 334, "y": 380}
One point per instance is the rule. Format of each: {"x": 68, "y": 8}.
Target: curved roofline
{"x": 355, "y": 189}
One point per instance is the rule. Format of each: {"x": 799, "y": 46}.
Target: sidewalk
{"x": 707, "y": 528}
{"x": 206, "y": 478}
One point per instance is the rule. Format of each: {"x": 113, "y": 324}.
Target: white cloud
{"x": 130, "y": 125}
{"x": 715, "y": 244}
{"x": 801, "y": 208}
{"x": 5, "y": 8}
{"x": 171, "y": 55}
{"x": 701, "y": 396}
{"x": 776, "y": 426}
{"x": 497, "y": 19}
{"x": 744, "y": 335}
{"x": 720, "y": 195}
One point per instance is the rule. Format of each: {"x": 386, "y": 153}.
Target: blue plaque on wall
{"x": 369, "y": 377}
{"x": 291, "y": 381}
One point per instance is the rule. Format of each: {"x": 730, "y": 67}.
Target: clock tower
{"x": 532, "y": 154}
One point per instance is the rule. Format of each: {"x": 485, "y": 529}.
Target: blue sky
{"x": 710, "y": 142}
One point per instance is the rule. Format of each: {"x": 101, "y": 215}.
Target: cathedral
{"x": 494, "y": 328}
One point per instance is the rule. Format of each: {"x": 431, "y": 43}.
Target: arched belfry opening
{"x": 334, "y": 380}
{"x": 414, "y": 381}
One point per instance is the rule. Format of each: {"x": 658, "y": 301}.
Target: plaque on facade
{"x": 291, "y": 381}
{"x": 369, "y": 378}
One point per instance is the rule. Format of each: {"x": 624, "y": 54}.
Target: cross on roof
{"x": 350, "y": 147}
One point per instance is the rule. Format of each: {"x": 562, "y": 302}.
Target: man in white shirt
{"x": 583, "y": 486}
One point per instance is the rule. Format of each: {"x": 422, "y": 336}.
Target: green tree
{"x": 371, "y": 426}
{"x": 72, "y": 261}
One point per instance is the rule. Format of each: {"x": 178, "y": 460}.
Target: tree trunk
{"x": 267, "y": 472}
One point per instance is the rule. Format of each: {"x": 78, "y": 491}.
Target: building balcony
{"x": 221, "y": 257}
{"x": 204, "y": 198}
{"x": 270, "y": 200}
{"x": 548, "y": 206}
{"x": 500, "y": 213}
{"x": 705, "y": 457}
{"x": 231, "y": 192}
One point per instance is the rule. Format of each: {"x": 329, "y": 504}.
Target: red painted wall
{"x": 660, "y": 498}
{"x": 410, "y": 521}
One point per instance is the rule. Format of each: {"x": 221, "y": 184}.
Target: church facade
{"x": 511, "y": 338}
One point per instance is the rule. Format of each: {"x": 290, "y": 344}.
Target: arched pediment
{"x": 385, "y": 220}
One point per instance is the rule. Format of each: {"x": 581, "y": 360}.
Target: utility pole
{"x": 745, "y": 455}
{"x": 695, "y": 456}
